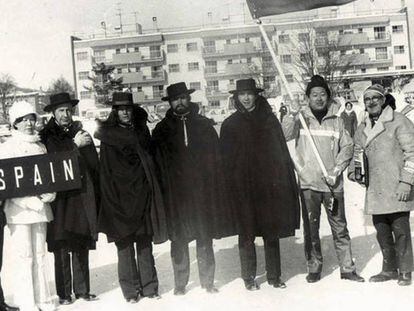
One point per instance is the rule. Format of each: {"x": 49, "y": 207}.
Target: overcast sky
{"x": 34, "y": 35}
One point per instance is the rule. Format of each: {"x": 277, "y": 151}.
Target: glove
{"x": 331, "y": 180}
{"x": 47, "y": 197}
{"x": 82, "y": 139}
{"x": 403, "y": 191}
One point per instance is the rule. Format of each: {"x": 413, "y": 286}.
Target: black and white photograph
{"x": 218, "y": 155}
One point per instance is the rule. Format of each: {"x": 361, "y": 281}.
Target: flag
{"x": 259, "y": 8}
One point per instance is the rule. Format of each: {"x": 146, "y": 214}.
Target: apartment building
{"x": 367, "y": 48}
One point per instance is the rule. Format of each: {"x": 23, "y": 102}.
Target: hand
{"x": 47, "y": 197}
{"x": 403, "y": 191}
{"x": 331, "y": 180}
{"x": 294, "y": 107}
{"x": 82, "y": 139}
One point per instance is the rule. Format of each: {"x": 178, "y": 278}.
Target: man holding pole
{"x": 334, "y": 147}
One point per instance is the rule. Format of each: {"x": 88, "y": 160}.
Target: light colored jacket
{"x": 333, "y": 142}
{"x": 389, "y": 147}
{"x": 33, "y": 209}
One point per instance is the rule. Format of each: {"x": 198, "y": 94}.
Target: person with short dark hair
{"x": 335, "y": 147}
{"x": 260, "y": 181}
{"x": 350, "y": 119}
{"x": 73, "y": 230}
{"x": 131, "y": 213}
{"x": 186, "y": 151}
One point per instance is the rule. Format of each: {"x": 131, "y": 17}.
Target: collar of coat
{"x": 53, "y": 128}
{"x": 387, "y": 115}
{"x": 333, "y": 109}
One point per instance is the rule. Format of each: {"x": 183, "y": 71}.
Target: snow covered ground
{"x": 330, "y": 293}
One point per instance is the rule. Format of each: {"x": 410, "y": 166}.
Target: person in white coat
{"x": 27, "y": 217}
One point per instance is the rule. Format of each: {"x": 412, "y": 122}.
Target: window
{"x": 381, "y": 53}
{"x": 211, "y": 66}
{"x": 360, "y": 30}
{"x": 213, "y": 85}
{"x": 174, "y": 68}
{"x": 399, "y": 49}
{"x": 343, "y": 52}
{"x": 229, "y": 61}
{"x": 195, "y": 85}
{"x": 82, "y": 56}
{"x": 193, "y": 66}
{"x": 249, "y": 60}
{"x": 172, "y": 48}
{"x": 379, "y": 33}
{"x": 363, "y": 70}
{"x": 157, "y": 91}
{"x": 403, "y": 67}
{"x": 119, "y": 70}
{"x": 361, "y": 51}
{"x": 303, "y": 37}
{"x": 85, "y": 95}
{"x": 247, "y": 39}
{"x": 83, "y": 75}
{"x": 382, "y": 68}
{"x": 397, "y": 28}
{"x": 284, "y": 39}
{"x": 286, "y": 59}
{"x": 210, "y": 46}
{"x": 192, "y": 46}
{"x": 341, "y": 31}
{"x": 228, "y": 41}
{"x": 136, "y": 49}
{"x": 117, "y": 51}
{"x": 214, "y": 103}
{"x": 99, "y": 56}
{"x": 155, "y": 51}
{"x": 289, "y": 78}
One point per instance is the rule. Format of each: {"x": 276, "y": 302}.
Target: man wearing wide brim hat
{"x": 132, "y": 213}
{"x": 187, "y": 155}
{"x": 73, "y": 229}
{"x": 260, "y": 181}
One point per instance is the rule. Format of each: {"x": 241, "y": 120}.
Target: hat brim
{"x": 189, "y": 91}
{"x": 51, "y": 107}
{"x": 257, "y": 90}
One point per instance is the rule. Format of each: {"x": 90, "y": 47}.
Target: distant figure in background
{"x": 350, "y": 119}
{"x": 282, "y": 112}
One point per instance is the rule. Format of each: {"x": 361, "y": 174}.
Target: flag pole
{"x": 289, "y": 91}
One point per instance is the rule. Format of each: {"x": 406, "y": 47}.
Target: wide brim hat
{"x": 177, "y": 89}
{"x": 246, "y": 85}
{"x": 59, "y": 99}
{"x": 121, "y": 99}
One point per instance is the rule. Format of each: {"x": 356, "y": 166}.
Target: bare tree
{"x": 7, "y": 86}
{"x": 104, "y": 83}
{"x": 61, "y": 85}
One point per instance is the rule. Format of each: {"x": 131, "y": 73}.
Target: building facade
{"x": 359, "y": 49}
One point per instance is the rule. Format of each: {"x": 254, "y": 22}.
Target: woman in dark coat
{"x": 350, "y": 119}
{"x": 260, "y": 181}
{"x": 132, "y": 209}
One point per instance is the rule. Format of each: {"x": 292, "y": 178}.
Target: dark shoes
{"x": 65, "y": 301}
{"x": 179, "y": 291}
{"x": 86, "y": 297}
{"x": 132, "y": 300}
{"x": 251, "y": 285}
{"x": 384, "y": 276}
{"x": 404, "y": 279}
{"x": 154, "y": 296}
{"x": 277, "y": 283}
{"x": 313, "y": 277}
{"x": 211, "y": 289}
{"x": 5, "y": 307}
{"x": 352, "y": 276}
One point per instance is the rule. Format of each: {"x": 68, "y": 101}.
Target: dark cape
{"x": 131, "y": 197}
{"x": 74, "y": 212}
{"x": 259, "y": 173}
{"x": 191, "y": 178}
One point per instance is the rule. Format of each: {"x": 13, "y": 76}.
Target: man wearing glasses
{"x": 386, "y": 140}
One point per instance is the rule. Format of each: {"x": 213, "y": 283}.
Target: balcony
{"x": 356, "y": 40}
{"x": 357, "y": 60}
{"x": 236, "y": 49}
{"x": 142, "y": 98}
{"x": 136, "y": 58}
{"x": 232, "y": 70}
{"x": 139, "y": 77}
{"x": 215, "y": 93}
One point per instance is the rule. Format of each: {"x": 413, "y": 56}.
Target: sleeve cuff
{"x": 407, "y": 177}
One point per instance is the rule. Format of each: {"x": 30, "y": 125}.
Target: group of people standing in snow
{"x": 184, "y": 182}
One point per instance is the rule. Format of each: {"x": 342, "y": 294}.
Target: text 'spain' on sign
{"x": 259, "y": 8}
{"x": 25, "y": 176}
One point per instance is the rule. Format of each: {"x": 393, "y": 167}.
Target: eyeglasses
{"x": 373, "y": 99}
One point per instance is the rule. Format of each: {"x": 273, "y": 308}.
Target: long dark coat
{"x": 74, "y": 212}
{"x": 350, "y": 122}
{"x": 259, "y": 172}
{"x": 191, "y": 178}
{"x": 131, "y": 197}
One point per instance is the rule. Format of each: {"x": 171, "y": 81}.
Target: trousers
{"x": 136, "y": 271}
{"x": 66, "y": 261}
{"x": 311, "y": 212}
{"x": 32, "y": 289}
{"x": 394, "y": 238}
{"x": 248, "y": 260}
{"x": 181, "y": 262}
